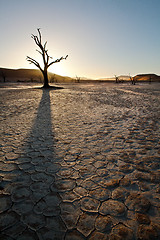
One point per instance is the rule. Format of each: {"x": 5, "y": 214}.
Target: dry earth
{"x": 81, "y": 162}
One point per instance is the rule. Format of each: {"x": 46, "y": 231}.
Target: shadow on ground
{"x": 31, "y": 209}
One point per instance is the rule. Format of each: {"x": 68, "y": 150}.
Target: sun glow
{"x": 58, "y": 68}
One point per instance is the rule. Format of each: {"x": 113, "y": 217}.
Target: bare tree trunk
{"x": 45, "y": 76}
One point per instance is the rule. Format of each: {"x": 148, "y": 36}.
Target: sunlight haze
{"x": 103, "y": 38}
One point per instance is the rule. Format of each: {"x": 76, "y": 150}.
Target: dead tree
{"x": 46, "y": 58}
{"x": 117, "y": 79}
{"x": 132, "y": 80}
{"x": 77, "y": 79}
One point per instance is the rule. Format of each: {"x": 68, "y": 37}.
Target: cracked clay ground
{"x": 81, "y": 162}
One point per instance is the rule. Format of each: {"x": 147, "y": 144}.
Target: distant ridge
{"x": 34, "y": 75}
{"x": 139, "y": 77}
{"x": 29, "y": 75}
{"x": 147, "y": 77}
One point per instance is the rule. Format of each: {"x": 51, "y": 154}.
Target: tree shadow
{"x": 42, "y": 126}
{"x": 34, "y": 196}
{"x": 49, "y": 87}
{"x": 40, "y": 145}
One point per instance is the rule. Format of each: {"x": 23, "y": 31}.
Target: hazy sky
{"x": 101, "y": 37}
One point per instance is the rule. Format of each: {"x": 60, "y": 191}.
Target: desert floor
{"x": 82, "y": 162}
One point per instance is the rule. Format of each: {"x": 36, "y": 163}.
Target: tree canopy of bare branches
{"x": 46, "y": 58}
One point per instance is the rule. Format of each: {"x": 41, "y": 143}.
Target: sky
{"x": 103, "y": 38}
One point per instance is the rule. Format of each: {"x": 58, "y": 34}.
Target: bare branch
{"x": 46, "y": 52}
{"x": 58, "y": 60}
{"x": 31, "y": 60}
{"x": 38, "y": 40}
{"x": 45, "y": 45}
{"x": 40, "y": 37}
{"x": 39, "y": 52}
{"x": 35, "y": 38}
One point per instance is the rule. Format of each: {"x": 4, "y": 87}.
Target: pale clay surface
{"x": 81, "y": 162}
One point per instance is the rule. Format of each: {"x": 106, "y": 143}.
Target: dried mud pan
{"x": 82, "y": 162}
